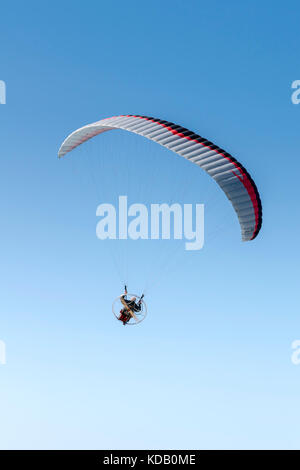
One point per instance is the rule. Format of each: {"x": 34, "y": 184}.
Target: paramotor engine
{"x": 136, "y": 317}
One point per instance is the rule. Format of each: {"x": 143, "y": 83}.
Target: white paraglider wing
{"x": 230, "y": 175}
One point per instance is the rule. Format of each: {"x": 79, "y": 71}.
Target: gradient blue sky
{"x": 211, "y": 366}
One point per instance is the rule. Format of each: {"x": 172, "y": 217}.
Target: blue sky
{"x": 211, "y": 365}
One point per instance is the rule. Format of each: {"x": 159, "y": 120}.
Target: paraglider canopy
{"x": 229, "y": 174}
